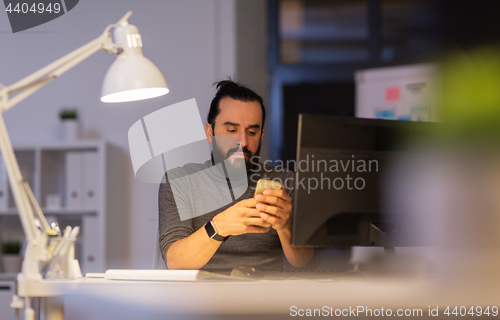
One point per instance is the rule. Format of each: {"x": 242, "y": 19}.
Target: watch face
{"x": 210, "y": 230}
{"x": 212, "y": 234}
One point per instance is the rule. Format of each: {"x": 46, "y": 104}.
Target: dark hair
{"x": 236, "y": 91}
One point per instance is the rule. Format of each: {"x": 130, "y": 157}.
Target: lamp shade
{"x": 132, "y": 76}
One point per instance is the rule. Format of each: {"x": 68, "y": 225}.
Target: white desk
{"x": 111, "y": 299}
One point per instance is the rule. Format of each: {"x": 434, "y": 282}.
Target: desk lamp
{"x": 131, "y": 77}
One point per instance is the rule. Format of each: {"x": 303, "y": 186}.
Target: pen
{"x": 74, "y": 233}
{"x": 56, "y": 254}
{"x": 66, "y": 234}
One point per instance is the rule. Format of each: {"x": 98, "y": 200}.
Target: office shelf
{"x": 74, "y": 183}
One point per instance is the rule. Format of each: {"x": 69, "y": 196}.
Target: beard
{"x": 250, "y": 159}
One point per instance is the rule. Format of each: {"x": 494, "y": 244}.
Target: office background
{"x": 194, "y": 43}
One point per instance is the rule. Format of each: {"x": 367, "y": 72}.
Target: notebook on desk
{"x": 157, "y": 275}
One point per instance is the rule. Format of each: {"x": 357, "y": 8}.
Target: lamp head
{"x": 132, "y": 76}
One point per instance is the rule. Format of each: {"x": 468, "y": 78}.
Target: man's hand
{"x": 275, "y": 207}
{"x": 238, "y": 219}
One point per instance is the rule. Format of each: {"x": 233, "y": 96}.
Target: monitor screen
{"x": 341, "y": 168}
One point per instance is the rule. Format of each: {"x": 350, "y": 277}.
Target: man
{"x": 238, "y": 233}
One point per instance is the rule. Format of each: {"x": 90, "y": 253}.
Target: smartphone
{"x": 262, "y": 185}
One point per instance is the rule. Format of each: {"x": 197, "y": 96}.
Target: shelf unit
{"x": 7, "y": 289}
{"x": 77, "y": 184}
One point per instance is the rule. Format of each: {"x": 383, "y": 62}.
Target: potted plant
{"x": 11, "y": 256}
{"x": 70, "y": 124}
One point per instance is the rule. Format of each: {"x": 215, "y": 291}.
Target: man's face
{"x": 241, "y": 121}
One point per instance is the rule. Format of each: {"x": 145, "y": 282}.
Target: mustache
{"x": 235, "y": 149}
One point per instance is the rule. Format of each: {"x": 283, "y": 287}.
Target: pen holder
{"x": 62, "y": 263}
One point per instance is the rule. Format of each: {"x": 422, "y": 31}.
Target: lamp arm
{"x": 123, "y": 20}
{"x": 36, "y": 80}
{"x": 15, "y": 180}
{"x": 30, "y": 86}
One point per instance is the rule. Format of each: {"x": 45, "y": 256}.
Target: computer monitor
{"x": 341, "y": 168}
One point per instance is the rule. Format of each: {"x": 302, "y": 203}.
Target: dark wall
{"x": 470, "y": 23}
{"x": 332, "y": 98}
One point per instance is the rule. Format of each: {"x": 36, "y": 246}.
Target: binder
{"x": 74, "y": 180}
{"x": 91, "y": 248}
{"x": 90, "y": 168}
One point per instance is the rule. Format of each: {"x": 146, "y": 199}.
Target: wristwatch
{"x": 212, "y": 234}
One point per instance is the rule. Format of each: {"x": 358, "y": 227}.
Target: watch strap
{"x": 212, "y": 234}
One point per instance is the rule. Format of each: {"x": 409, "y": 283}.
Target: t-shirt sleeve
{"x": 171, "y": 228}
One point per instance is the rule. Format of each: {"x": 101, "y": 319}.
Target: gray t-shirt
{"x": 261, "y": 250}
